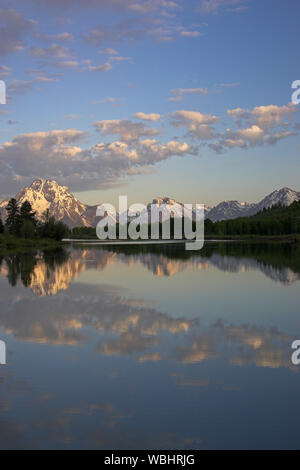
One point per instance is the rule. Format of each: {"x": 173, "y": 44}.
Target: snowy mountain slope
{"x": 233, "y": 209}
{"x": 48, "y": 194}
{"x": 284, "y": 196}
{"x": 230, "y": 210}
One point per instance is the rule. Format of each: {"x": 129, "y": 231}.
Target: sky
{"x": 145, "y": 98}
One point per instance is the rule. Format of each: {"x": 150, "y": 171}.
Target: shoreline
{"x": 11, "y": 244}
{"x": 293, "y": 238}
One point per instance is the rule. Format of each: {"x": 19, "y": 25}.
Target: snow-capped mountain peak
{"x": 46, "y": 194}
{"x": 284, "y": 196}
{"x": 233, "y": 209}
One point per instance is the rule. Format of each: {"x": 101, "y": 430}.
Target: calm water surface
{"x": 138, "y": 347}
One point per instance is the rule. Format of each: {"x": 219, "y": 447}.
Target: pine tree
{"x": 46, "y": 216}
{"x": 13, "y": 217}
{"x": 26, "y": 213}
{"x": 1, "y": 226}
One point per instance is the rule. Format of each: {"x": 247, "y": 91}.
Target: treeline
{"x": 277, "y": 220}
{"x": 83, "y": 232}
{"x": 22, "y": 222}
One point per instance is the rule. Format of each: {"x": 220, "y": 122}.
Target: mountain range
{"x": 63, "y": 205}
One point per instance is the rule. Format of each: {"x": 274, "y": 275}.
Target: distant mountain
{"x": 62, "y": 204}
{"x": 284, "y": 196}
{"x": 232, "y": 209}
{"x": 48, "y": 194}
{"x": 170, "y": 202}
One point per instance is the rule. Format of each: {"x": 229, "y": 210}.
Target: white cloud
{"x": 19, "y": 87}
{"x": 59, "y": 155}
{"x": 179, "y": 92}
{"x": 55, "y": 51}
{"x": 111, "y": 100}
{"x": 199, "y": 125}
{"x": 67, "y": 64}
{"x": 5, "y": 71}
{"x": 263, "y": 125}
{"x": 147, "y": 117}
{"x": 14, "y": 30}
{"x": 108, "y": 65}
{"x": 214, "y": 6}
{"x": 154, "y": 18}
{"x": 127, "y": 130}
{"x": 190, "y": 118}
{"x": 190, "y": 34}
{"x": 100, "y": 68}
{"x": 266, "y": 117}
{"x": 63, "y": 37}
{"x": 110, "y": 51}
{"x": 151, "y": 6}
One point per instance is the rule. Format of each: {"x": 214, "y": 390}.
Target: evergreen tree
{"x": 26, "y": 213}
{"x": 27, "y": 230}
{"x": 1, "y": 226}
{"x": 49, "y": 228}
{"x": 46, "y": 216}
{"x": 13, "y": 217}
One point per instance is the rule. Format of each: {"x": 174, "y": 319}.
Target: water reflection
{"x": 123, "y": 325}
{"x": 99, "y": 365}
{"x": 45, "y": 272}
{"x": 48, "y": 272}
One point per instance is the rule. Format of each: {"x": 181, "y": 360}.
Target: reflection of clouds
{"x": 154, "y": 357}
{"x": 33, "y": 321}
{"x": 132, "y": 327}
{"x": 12, "y": 430}
{"x": 128, "y": 343}
{"x": 69, "y": 317}
{"x": 199, "y": 349}
{"x": 136, "y": 362}
{"x": 262, "y": 348}
{"x": 181, "y": 380}
{"x": 250, "y": 345}
{"x": 61, "y": 424}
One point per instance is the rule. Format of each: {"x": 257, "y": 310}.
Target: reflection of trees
{"x": 51, "y": 271}
{"x": 20, "y": 267}
{"x": 53, "y": 259}
{"x": 279, "y": 255}
{"x": 280, "y": 261}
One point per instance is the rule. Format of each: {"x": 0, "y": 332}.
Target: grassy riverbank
{"x": 10, "y": 243}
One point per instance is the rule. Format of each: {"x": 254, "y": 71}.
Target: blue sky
{"x": 189, "y": 99}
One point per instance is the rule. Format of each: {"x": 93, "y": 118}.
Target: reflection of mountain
{"x": 161, "y": 265}
{"x": 281, "y": 263}
{"x": 47, "y": 281}
{"x": 49, "y": 276}
{"x": 235, "y": 265}
{"x": 50, "y": 272}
